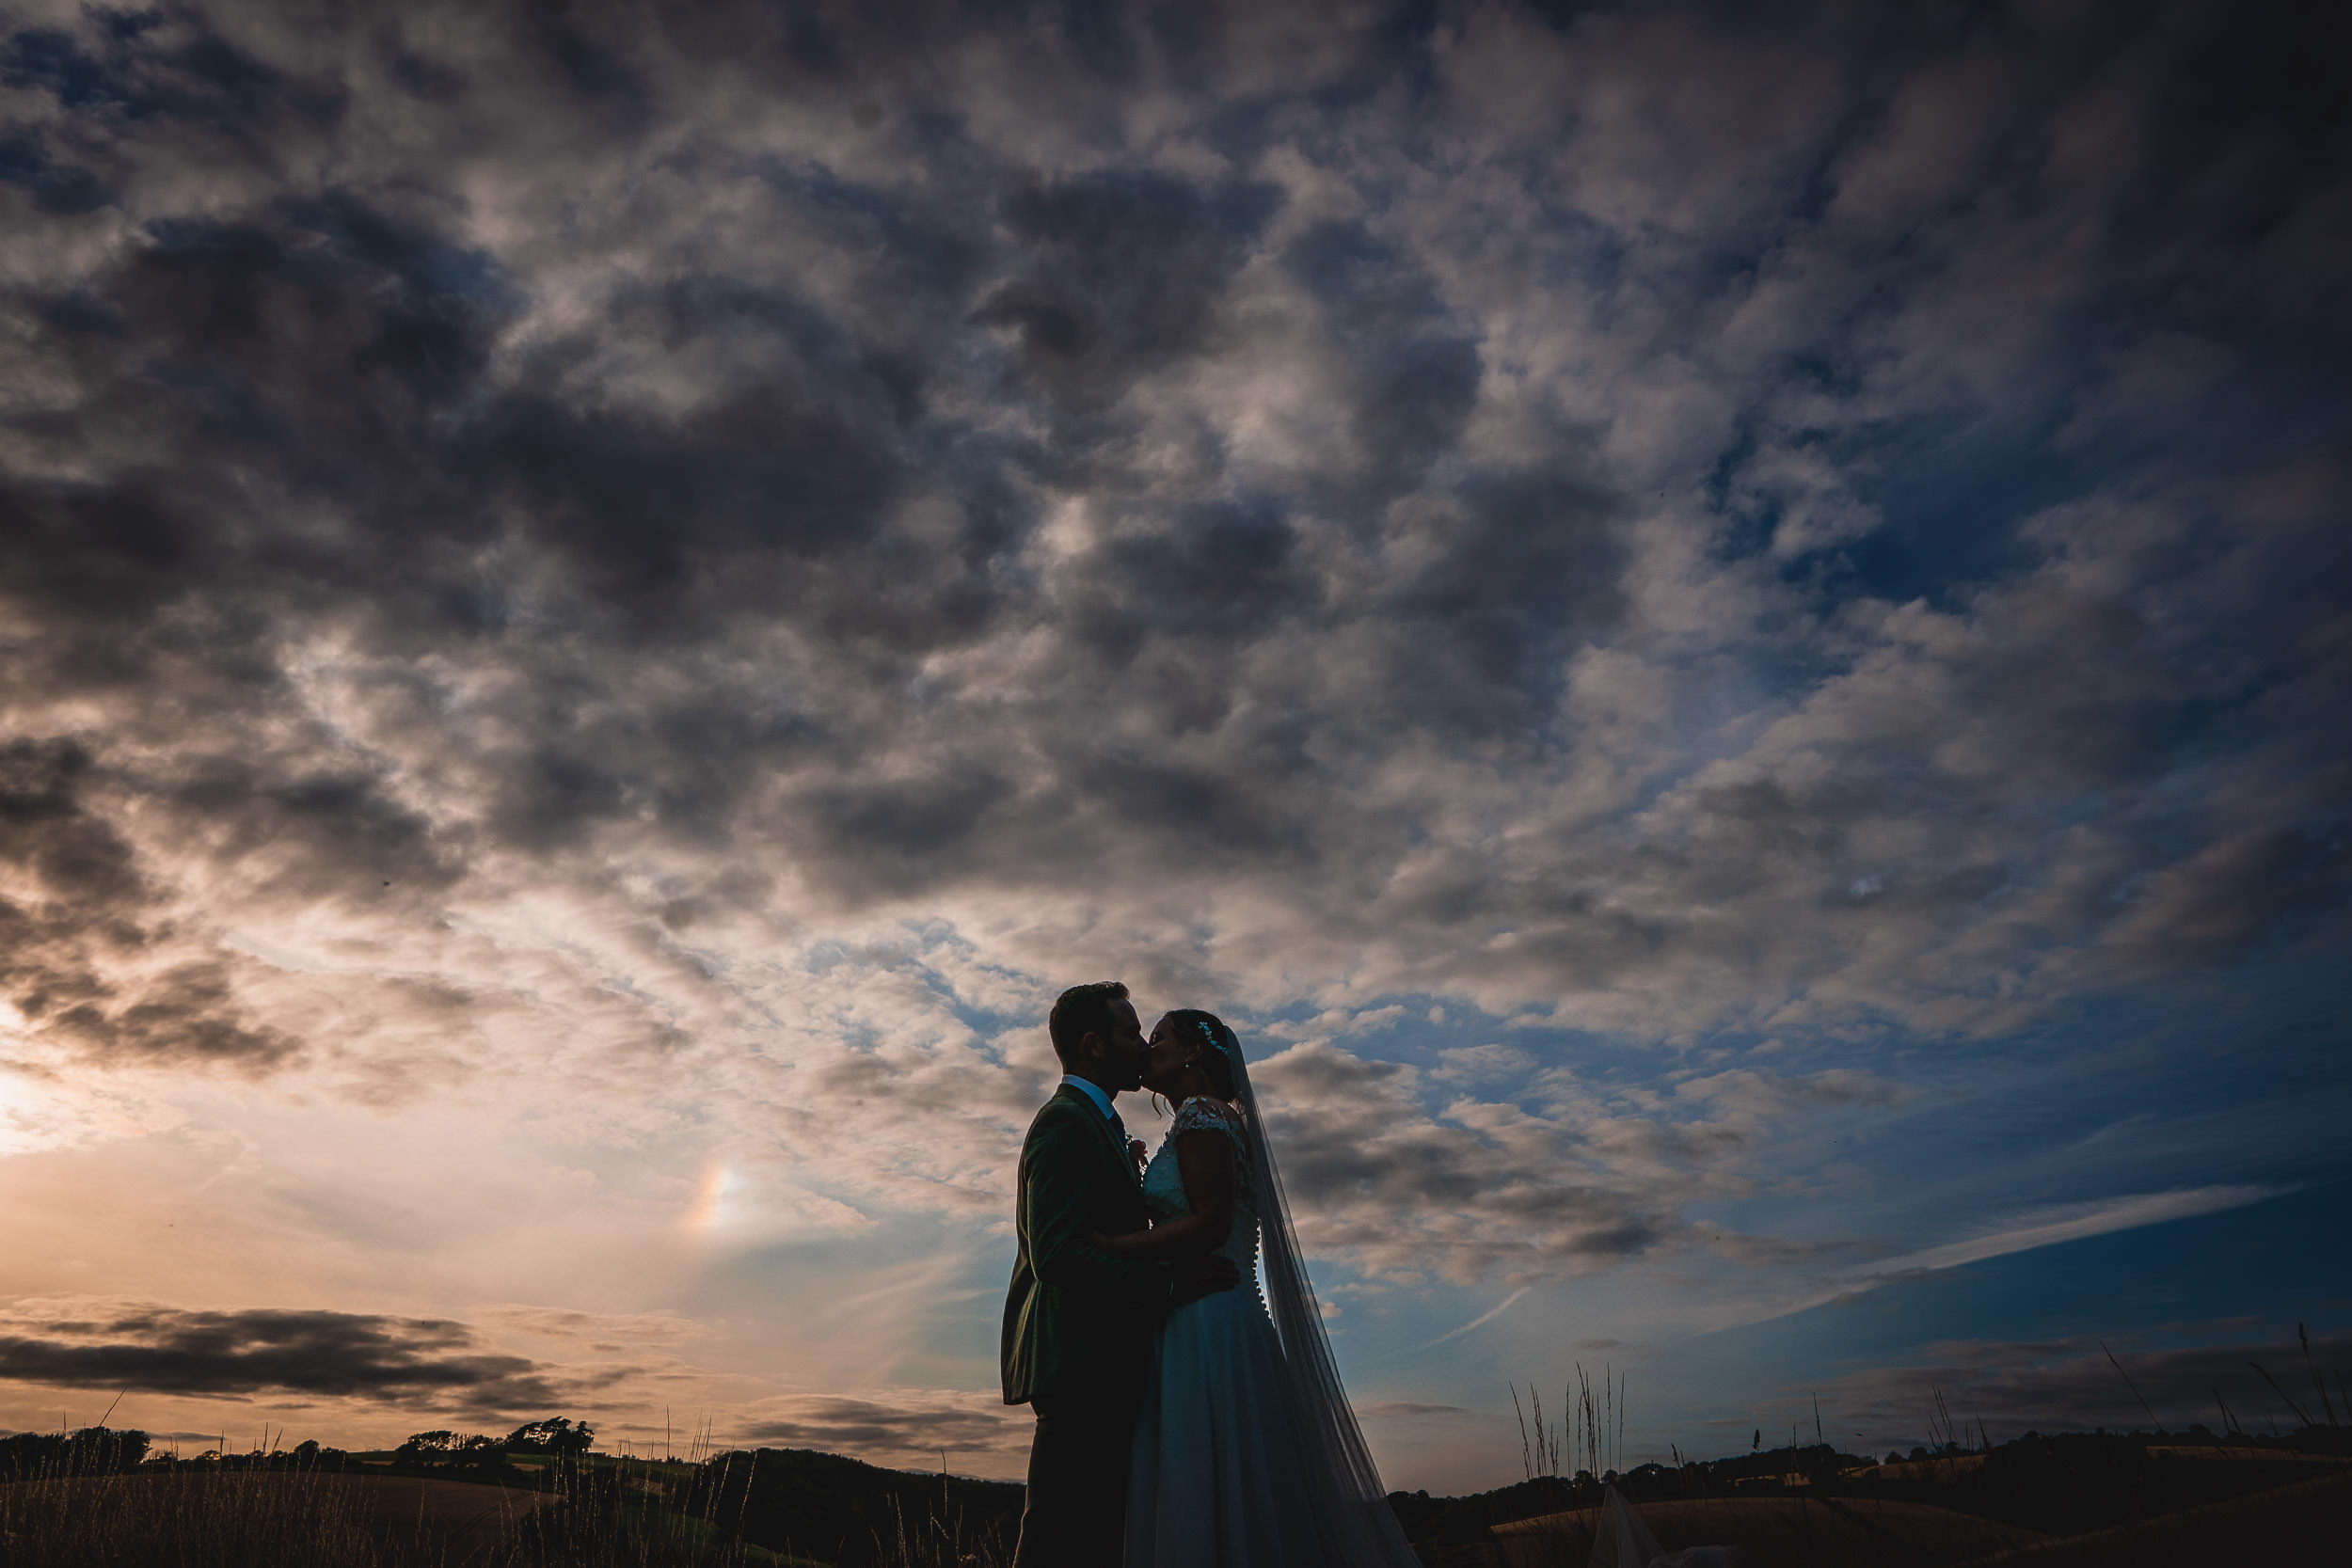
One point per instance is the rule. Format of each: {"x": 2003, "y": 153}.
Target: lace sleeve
{"x": 1202, "y": 1114}
{"x": 1199, "y": 1113}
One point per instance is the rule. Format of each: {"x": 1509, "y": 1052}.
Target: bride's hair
{"x": 1221, "y": 1061}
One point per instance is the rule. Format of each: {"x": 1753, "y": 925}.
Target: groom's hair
{"x": 1080, "y": 1011}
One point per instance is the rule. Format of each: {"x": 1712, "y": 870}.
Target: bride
{"x": 1246, "y": 1454}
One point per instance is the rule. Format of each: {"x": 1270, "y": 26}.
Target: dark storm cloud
{"x": 338, "y": 1355}
{"x": 1221, "y": 571}
{"x": 294, "y": 358}
{"x": 1414, "y": 366}
{"x": 79, "y": 903}
{"x": 839, "y": 1423}
{"x": 129, "y": 65}
{"x": 1485, "y": 1186}
{"x": 1646, "y": 514}
{"x": 1121, "y": 274}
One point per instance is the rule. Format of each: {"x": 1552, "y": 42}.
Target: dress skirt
{"x": 1217, "y": 1480}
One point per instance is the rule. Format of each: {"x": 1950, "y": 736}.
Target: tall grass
{"x": 191, "y": 1517}
{"x": 1593, "y": 1436}
{"x": 940, "y": 1541}
{"x": 625, "y": 1514}
{"x": 614, "y": 1514}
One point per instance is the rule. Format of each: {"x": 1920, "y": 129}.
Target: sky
{"x": 1723, "y": 638}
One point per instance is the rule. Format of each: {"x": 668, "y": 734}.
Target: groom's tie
{"x": 1126, "y": 1155}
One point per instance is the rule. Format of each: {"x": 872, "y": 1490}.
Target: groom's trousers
{"x": 1075, "y": 1512}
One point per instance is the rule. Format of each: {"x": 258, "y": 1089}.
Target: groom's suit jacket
{"x": 1078, "y": 1322}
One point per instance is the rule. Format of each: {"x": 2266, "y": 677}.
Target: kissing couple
{"x": 1182, "y": 1419}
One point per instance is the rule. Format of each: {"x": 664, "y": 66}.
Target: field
{"x": 91, "y": 1500}
{"x": 263, "y": 1518}
{"x": 1776, "y": 1530}
{"x": 2302, "y": 1523}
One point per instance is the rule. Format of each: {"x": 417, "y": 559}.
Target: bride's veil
{"x": 1350, "y": 1507}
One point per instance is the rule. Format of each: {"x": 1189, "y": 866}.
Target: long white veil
{"x": 1350, "y": 1508}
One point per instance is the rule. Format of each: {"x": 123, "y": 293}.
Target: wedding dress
{"x": 1246, "y": 1454}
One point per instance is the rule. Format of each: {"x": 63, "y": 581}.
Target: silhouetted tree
{"x": 91, "y": 1451}
{"x": 479, "y": 1451}
{"x": 557, "y": 1436}
{"x": 423, "y": 1447}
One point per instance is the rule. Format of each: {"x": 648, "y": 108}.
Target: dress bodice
{"x": 1164, "y": 1182}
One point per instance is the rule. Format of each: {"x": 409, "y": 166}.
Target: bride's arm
{"x": 1205, "y": 1159}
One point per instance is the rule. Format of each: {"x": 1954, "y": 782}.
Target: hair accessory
{"x": 1217, "y": 1043}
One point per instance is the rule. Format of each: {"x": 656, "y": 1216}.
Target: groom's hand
{"x": 1202, "y": 1277}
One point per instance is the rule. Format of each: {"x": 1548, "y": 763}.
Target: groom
{"x": 1079, "y": 1323}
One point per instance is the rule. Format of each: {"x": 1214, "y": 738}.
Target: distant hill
{"x": 806, "y": 1503}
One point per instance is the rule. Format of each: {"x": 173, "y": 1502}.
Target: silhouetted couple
{"x": 1184, "y": 1420}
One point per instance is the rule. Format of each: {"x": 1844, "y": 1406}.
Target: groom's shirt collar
{"x": 1093, "y": 1092}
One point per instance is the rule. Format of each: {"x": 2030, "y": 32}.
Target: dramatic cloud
{"x": 321, "y": 1354}
{"x": 868, "y": 500}
{"x": 1481, "y": 1184}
